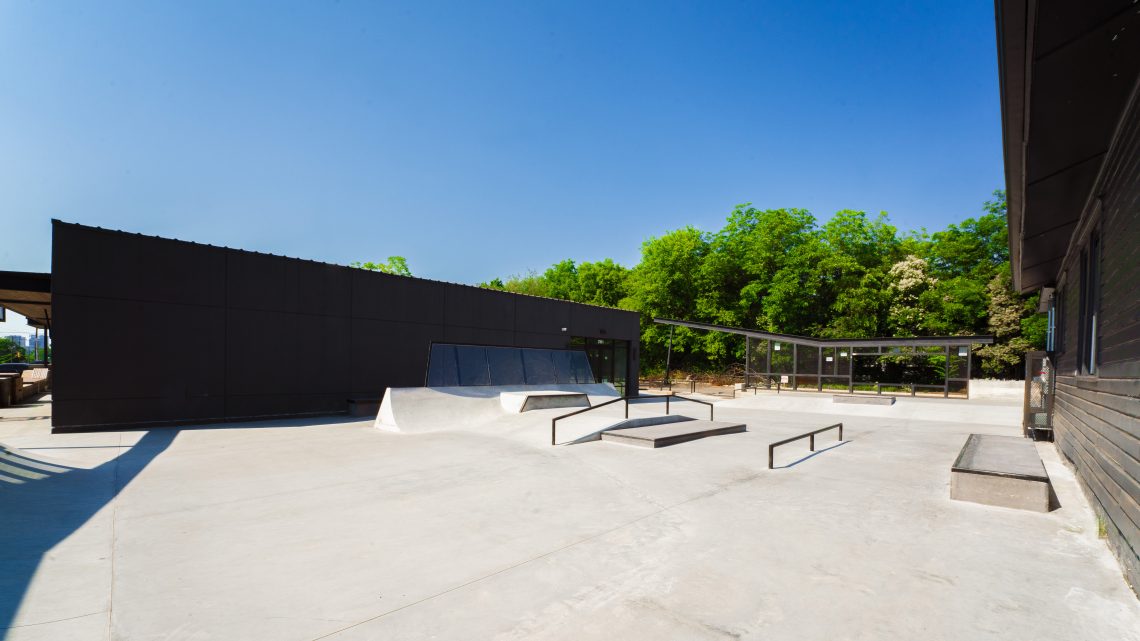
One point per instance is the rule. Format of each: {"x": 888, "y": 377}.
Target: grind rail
{"x": 554, "y": 421}
{"x": 808, "y": 435}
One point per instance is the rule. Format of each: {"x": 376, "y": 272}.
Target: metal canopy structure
{"x": 801, "y": 361}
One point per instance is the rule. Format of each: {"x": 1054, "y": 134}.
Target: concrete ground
{"x": 332, "y": 529}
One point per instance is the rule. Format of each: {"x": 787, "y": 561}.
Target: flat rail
{"x": 554, "y": 421}
{"x": 808, "y": 435}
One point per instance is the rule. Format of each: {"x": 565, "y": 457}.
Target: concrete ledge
{"x": 1004, "y": 471}
{"x": 516, "y": 402}
{"x": 663, "y": 435}
{"x": 859, "y": 399}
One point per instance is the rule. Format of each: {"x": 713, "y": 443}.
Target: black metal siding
{"x": 150, "y": 331}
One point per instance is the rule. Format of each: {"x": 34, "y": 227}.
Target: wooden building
{"x": 1071, "y": 128}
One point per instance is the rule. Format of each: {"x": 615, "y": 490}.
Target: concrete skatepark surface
{"x": 331, "y": 529}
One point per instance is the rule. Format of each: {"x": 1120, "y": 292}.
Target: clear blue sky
{"x": 484, "y": 139}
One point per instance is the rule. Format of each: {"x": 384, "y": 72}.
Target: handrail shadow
{"x": 812, "y": 455}
{"x": 42, "y": 503}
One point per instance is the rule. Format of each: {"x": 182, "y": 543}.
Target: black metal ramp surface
{"x": 671, "y": 433}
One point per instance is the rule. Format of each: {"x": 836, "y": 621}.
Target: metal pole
{"x": 795, "y": 365}
{"x": 768, "y": 368}
{"x": 946, "y": 381}
{"x": 747, "y": 357}
{"x": 669, "y": 358}
{"x": 667, "y": 404}
{"x": 819, "y": 369}
{"x": 969, "y": 365}
{"x": 850, "y": 370}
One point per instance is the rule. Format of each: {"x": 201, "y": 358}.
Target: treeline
{"x": 779, "y": 270}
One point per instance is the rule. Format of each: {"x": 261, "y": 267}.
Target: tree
{"x": 10, "y": 352}
{"x": 602, "y": 283}
{"x": 854, "y": 276}
{"x": 908, "y": 281}
{"x": 397, "y": 265}
{"x": 977, "y": 248}
{"x": 665, "y": 284}
{"x": 1009, "y": 316}
{"x": 561, "y": 280}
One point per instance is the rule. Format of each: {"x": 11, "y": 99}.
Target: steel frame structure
{"x": 952, "y": 347}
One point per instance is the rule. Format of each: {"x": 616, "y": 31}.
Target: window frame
{"x": 1088, "y": 312}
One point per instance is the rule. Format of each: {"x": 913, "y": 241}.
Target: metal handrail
{"x": 554, "y": 421}
{"x": 686, "y": 398}
{"x": 808, "y": 435}
{"x": 583, "y": 411}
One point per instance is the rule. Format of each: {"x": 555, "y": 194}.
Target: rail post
{"x": 811, "y": 442}
{"x": 667, "y": 404}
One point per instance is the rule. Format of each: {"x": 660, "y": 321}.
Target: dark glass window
{"x": 563, "y": 366}
{"x": 472, "y": 365}
{"x": 506, "y": 366}
{"x": 443, "y": 369}
{"x": 451, "y": 365}
{"x": 1087, "y": 350}
{"x": 539, "y": 367}
{"x": 581, "y": 365}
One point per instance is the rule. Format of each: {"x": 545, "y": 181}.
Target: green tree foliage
{"x": 854, "y": 276}
{"x": 1015, "y": 325}
{"x": 396, "y": 265}
{"x": 10, "y": 352}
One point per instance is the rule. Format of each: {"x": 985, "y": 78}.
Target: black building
{"x": 150, "y": 331}
{"x": 1071, "y": 123}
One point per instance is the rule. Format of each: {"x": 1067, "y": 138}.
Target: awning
{"x": 29, "y": 294}
{"x": 1067, "y": 70}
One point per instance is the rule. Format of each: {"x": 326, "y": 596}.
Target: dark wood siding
{"x": 1097, "y": 418}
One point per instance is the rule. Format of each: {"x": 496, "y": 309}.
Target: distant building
{"x": 20, "y": 341}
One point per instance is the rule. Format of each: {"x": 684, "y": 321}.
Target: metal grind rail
{"x": 554, "y": 421}
{"x": 808, "y": 435}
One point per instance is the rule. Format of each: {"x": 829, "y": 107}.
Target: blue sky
{"x": 485, "y": 139}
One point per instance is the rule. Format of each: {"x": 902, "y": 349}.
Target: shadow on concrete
{"x": 42, "y": 503}
{"x": 811, "y": 456}
{"x": 1054, "y": 501}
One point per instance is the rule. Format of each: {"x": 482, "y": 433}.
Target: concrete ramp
{"x": 413, "y": 410}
